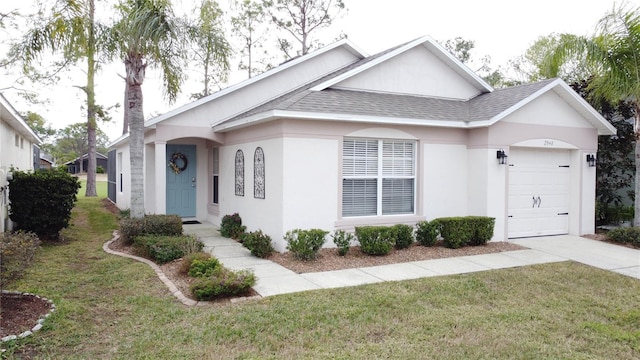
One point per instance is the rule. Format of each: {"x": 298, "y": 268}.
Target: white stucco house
{"x": 336, "y": 139}
{"x": 18, "y": 150}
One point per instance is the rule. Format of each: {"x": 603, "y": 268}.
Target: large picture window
{"x": 378, "y": 177}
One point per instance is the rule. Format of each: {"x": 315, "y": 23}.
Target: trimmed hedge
{"x": 41, "y": 202}
{"x": 160, "y": 225}
{"x": 630, "y": 235}
{"x": 163, "y": 249}
{"x": 469, "y": 230}
{"x": 305, "y": 244}
{"x": 427, "y": 232}
{"x": 375, "y": 240}
{"x": 403, "y": 235}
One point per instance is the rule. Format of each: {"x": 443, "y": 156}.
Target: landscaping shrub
{"x": 258, "y": 243}
{"x": 223, "y": 283}
{"x": 482, "y": 229}
{"x": 375, "y": 240}
{"x": 163, "y": 249}
{"x": 466, "y": 230}
{"x": 41, "y": 202}
{"x": 204, "y": 268}
{"x": 17, "y": 250}
{"x": 185, "y": 266}
{"x": 161, "y": 225}
{"x": 455, "y": 232}
{"x": 342, "y": 239}
{"x": 630, "y": 235}
{"x": 231, "y": 226}
{"x": 403, "y": 235}
{"x": 305, "y": 244}
{"x": 427, "y": 232}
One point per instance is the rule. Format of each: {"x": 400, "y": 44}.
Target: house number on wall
{"x": 548, "y": 143}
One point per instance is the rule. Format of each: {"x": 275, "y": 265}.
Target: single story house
{"x": 336, "y": 139}
{"x": 74, "y": 166}
{"x": 18, "y": 150}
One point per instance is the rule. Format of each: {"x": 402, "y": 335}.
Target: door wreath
{"x": 175, "y": 166}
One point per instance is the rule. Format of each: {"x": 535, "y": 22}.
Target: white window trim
{"x": 379, "y": 177}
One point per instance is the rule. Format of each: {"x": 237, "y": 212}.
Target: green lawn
{"x": 101, "y": 188}
{"x": 114, "y": 308}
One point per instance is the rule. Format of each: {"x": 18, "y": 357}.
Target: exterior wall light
{"x": 502, "y": 157}
{"x": 591, "y": 160}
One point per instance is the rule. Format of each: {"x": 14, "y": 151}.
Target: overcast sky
{"x": 502, "y": 29}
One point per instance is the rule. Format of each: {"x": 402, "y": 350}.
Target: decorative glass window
{"x": 239, "y": 173}
{"x": 258, "y": 173}
{"x": 378, "y": 177}
{"x": 216, "y": 174}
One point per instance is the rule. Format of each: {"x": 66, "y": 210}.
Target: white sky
{"x": 503, "y": 29}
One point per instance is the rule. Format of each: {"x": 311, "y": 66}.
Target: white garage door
{"x": 538, "y": 192}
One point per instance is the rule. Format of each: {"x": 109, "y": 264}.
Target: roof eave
{"x": 18, "y": 122}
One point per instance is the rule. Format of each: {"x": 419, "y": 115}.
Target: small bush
{"x": 342, "y": 240}
{"x": 161, "y": 225}
{"x": 231, "y": 226}
{"x": 223, "y": 283}
{"x": 403, "y": 235}
{"x": 41, "y": 202}
{"x": 455, "y": 232}
{"x": 163, "y": 249}
{"x": 185, "y": 266}
{"x": 258, "y": 243}
{"x": 204, "y": 268}
{"x": 482, "y": 229}
{"x": 99, "y": 170}
{"x": 427, "y": 232}
{"x": 467, "y": 230}
{"x": 630, "y": 235}
{"x": 375, "y": 240}
{"x": 305, "y": 244}
{"x": 16, "y": 254}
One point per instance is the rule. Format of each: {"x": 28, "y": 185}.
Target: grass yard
{"x": 101, "y": 188}
{"x": 114, "y": 308}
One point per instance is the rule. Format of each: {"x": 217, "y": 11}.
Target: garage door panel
{"x": 538, "y": 192}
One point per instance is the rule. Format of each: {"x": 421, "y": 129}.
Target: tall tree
{"x": 461, "y": 49}
{"x": 249, "y": 17}
{"x": 211, "y": 50}
{"x": 147, "y": 34}
{"x": 70, "y": 30}
{"x": 613, "y": 54}
{"x": 72, "y": 142}
{"x": 299, "y": 19}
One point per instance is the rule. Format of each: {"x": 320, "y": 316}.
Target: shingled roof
{"x": 339, "y": 101}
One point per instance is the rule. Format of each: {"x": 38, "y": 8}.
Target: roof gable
{"x": 420, "y": 67}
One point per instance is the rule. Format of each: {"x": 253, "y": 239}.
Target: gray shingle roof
{"x": 337, "y": 101}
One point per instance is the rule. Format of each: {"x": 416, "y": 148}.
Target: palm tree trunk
{"x": 636, "y": 201}
{"x": 91, "y": 107}
{"x": 135, "y": 68}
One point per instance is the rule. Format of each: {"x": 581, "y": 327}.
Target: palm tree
{"x": 71, "y": 31}
{"x": 147, "y": 34}
{"x": 614, "y": 55}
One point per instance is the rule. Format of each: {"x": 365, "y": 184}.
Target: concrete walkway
{"x": 274, "y": 279}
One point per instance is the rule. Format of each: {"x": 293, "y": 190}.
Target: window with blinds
{"x": 378, "y": 177}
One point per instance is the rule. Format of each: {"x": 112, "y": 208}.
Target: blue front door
{"x": 181, "y": 180}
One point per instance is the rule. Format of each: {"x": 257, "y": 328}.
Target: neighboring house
{"x": 73, "y": 166}
{"x": 337, "y": 139}
{"x": 46, "y": 161}
{"x": 18, "y": 150}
